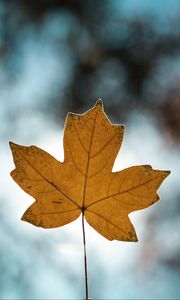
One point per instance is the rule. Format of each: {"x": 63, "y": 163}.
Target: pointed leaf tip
{"x": 133, "y": 239}
{"x": 167, "y": 172}
{"x": 120, "y": 126}
{"x": 99, "y": 102}
{"x": 22, "y": 218}
{"x": 11, "y": 144}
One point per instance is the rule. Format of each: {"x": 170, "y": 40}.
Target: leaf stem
{"x": 85, "y": 257}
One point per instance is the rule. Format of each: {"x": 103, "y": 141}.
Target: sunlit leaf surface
{"x": 84, "y": 182}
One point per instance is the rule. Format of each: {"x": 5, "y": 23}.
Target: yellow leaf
{"x": 84, "y": 182}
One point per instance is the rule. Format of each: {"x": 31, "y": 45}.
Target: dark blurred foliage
{"x": 129, "y": 62}
{"x": 114, "y": 57}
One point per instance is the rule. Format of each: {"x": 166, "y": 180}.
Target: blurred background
{"x": 62, "y": 55}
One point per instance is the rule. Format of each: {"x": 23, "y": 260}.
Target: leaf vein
{"x": 123, "y": 192}
{"x": 87, "y": 166}
{"x": 51, "y": 183}
{"x": 108, "y": 221}
{"x": 104, "y": 146}
{"x": 56, "y": 212}
{"x": 77, "y": 133}
{"x": 74, "y": 162}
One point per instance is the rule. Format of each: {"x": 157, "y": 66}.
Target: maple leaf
{"x": 84, "y": 182}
